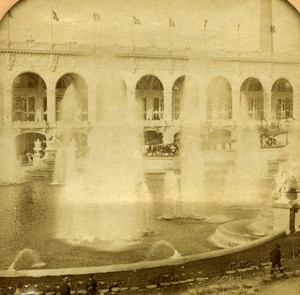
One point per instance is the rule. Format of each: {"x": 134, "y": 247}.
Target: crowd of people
{"x": 88, "y": 287}
{"x": 161, "y": 149}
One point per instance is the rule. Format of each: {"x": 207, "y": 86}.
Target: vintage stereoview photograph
{"x": 149, "y": 147}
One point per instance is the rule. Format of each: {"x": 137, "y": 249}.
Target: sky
{"x": 32, "y": 20}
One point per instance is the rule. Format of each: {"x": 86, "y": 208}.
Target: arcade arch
{"x": 252, "y": 100}
{"x": 282, "y": 99}
{"x": 150, "y": 98}
{"x": 111, "y": 93}
{"x": 219, "y": 99}
{"x": 29, "y": 98}
{"x": 177, "y": 93}
{"x": 81, "y": 96}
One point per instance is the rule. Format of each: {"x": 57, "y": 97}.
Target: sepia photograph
{"x": 149, "y": 147}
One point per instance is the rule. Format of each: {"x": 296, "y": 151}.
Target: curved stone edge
{"x": 5, "y": 5}
{"x": 141, "y": 265}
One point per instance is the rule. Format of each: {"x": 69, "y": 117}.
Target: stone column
{"x": 202, "y": 94}
{"x": 7, "y": 107}
{"x": 236, "y": 109}
{"x": 92, "y": 105}
{"x": 132, "y": 104}
{"x": 296, "y": 102}
{"x": 51, "y": 104}
{"x": 285, "y": 217}
{"x": 267, "y": 105}
{"x": 168, "y": 105}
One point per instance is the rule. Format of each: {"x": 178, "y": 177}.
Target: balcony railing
{"x": 30, "y": 124}
{"x": 155, "y": 115}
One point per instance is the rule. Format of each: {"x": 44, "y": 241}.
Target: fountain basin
{"x": 240, "y": 232}
{"x": 138, "y": 274}
{"x": 33, "y": 217}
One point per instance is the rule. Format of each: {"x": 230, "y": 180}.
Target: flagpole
{"x": 169, "y": 38}
{"x": 204, "y": 36}
{"x": 132, "y": 37}
{"x": 238, "y": 38}
{"x": 94, "y": 36}
{"x": 52, "y": 41}
{"x": 8, "y": 31}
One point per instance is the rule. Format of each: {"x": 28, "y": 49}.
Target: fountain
{"x": 26, "y": 259}
{"x": 193, "y": 159}
{"x": 248, "y": 169}
{"x": 161, "y": 250}
{"x": 113, "y": 177}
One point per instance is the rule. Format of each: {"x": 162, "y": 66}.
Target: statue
{"x": 287, "y": 184}
{"x": 38, "y": 115}
{"x": 37, "y": 146}
{"x": 37, "y": 156}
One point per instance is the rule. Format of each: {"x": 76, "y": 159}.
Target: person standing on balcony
{"x": 149, "y": 114}
{"x": 38, "y": 115}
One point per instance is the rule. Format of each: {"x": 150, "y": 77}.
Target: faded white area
{"x": 231, "y": 25}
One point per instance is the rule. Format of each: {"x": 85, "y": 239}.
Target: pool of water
{"x": 33, "y": 217}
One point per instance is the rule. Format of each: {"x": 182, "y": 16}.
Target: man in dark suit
{"x": 275, "y": 258}
{"x": 65, "y": 287}
{"x": 92, "y": 285}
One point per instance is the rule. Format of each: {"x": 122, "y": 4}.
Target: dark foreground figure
{"x": 275, "y": 258}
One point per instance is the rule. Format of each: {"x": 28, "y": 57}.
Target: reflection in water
{"x": 28, "y": 220}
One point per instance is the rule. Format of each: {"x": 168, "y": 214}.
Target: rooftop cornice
{"x": 274, "y": 59}
{"x": 72, "y": 49}
{"x": 42, "y": 52}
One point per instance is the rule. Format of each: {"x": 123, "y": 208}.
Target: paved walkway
{"x": 280, "y": 285}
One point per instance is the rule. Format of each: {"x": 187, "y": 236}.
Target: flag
{"x": 96, "y": 17}
{"x": 272, "y": 29}
{"x": 205, "y": 23}
{"x": 171, "y": 22}
{"x": 136, "y": 21}
{"x": 54, "y": 15}
{"x": 238, "y": 26}
{"x": 9, "y": 14}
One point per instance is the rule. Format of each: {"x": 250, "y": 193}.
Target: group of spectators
{"x": 89, "y": 287}
{"x": 161, "y": 149}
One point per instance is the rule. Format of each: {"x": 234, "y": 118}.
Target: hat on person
{"x": 66, "y": 279}
{"x": 91, "y": 275}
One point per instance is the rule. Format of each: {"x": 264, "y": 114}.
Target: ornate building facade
{"x": 230, "y": 87}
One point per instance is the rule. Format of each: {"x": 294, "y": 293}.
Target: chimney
{"x": 266, "y": 27}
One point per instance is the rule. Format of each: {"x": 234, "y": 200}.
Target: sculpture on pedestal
{"x": 37, "y": 153}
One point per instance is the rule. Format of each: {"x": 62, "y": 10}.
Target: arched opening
{"x": 252, "y": 100}
{"x": 177, "y": 92}
{"x": 25, "y": 146}
{"x": 111, "y": 93}
{"x": 219, "y": 100}
{"x": 282, "y": 100}
{"x": 153, "y": 137}
{"x": 29, "y": 98}
{"x": 150, "y": 96}
{"x": 177, "y": 138}
{"x": 81, "y": 96}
